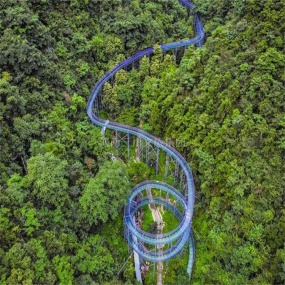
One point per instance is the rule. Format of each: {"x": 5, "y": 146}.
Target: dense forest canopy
{"x": 222, "y": 104}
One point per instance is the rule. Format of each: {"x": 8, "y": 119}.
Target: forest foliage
{"x": 62, "y": 193}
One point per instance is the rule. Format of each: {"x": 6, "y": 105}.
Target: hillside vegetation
{"x": 222, "y": 107}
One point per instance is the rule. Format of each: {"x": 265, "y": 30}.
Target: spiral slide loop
{"x": 143, "y": 243}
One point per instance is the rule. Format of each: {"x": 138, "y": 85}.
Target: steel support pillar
{"x": 172, "y": 168}
{"x": 96, "y": 107}
{"x": 128, "y": 138}
{"x": 141, "y": 152}
{"x": 157, "y": 161}
{"x": 122, "y": 144}
{"x": 183, "y": 182}
{"x": 147, "y": 153}
{"x": 137, "y": 259}
{"x": 166, "y": 167}
{"x": 176, "y": 173}
{"x": 117, "y": 143}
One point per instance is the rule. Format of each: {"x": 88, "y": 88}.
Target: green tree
{"x": 87, "y": 261}
{"x": 63, "y": 269}
{"x": 27, "y": 263}
{"x": 105, "y": 194}
{"x": 47, "y": 180}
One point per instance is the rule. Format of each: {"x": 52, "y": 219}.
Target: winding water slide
{"x": 143, "y": 243}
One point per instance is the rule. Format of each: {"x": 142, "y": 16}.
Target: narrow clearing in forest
{"x": 158, "y": 219}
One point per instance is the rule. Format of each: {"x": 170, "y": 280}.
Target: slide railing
{"x": 175, "y": 240}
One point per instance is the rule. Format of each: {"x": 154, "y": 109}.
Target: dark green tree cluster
{"x": 223, "y": 107}
{"x": 61, "y": 194}
{"x": 51, "y": 219}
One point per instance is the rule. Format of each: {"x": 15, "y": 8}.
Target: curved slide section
{"x": 170, "y": 243}
{"x": 143, "y": 243}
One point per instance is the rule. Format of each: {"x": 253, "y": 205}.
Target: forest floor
{"x": 159, "y": 221}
